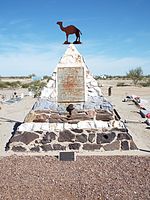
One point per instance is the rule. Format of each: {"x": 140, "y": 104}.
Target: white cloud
{"x": 116, "y": 66}
{"x": 28, "y": 58}
{"x": 24, "y": 58}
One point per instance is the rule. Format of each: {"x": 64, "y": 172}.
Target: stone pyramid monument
{"x": 71, "y": 115}
{"x": 72, "y": 82}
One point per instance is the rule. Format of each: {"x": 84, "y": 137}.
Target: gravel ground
{"x": 88, "y": 178}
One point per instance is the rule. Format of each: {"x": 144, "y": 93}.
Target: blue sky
{"x": 115, "y": 35}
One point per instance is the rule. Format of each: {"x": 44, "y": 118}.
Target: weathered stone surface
{"x": 47, "y": 147}
{"x": 58, "y": 147}
{"x": 105, "y": 137}
{"x": 48, "y": 137}
{"x": 112, "y": 146}
{"x": 91, "y": 147}
{"x": 74, "y": 146}
{"x": 74, "y": 121}
{"x": 91, "y": 137}
{"x": 18, "y": 149}
{"x": 80, "y": 116}
{"x": 35, "y": 149}
{"x": 118, "y": 129}
{"x": 56, "y": 118}
{"x": 104, "y": 115}
{"x": 133, "y": 145}
{"x": 76, "y": 130}
{"x": 81, "y": 138}
{"x": 41, "y": 118}
{"x": 30, "y": 117}
{"x": 122, "y": 136}
{"x": 26, "y": 138}
{"x": 66, "y": 136}
{"x": 124, "y": 145}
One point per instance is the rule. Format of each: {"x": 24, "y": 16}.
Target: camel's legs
{"x": 67, "y": 37}
{"x": 78, "y": 37}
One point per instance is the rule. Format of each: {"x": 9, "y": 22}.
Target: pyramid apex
{"x": 71, "y": 58}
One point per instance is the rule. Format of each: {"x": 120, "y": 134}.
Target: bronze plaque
{"x": 70, "y": 84}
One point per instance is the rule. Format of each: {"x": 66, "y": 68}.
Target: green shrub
{"x": 7, "y": 84}
{"x": 36, "y": 87}
{"x": 135, "y": 75}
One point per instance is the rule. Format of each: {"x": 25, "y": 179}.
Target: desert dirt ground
{"x": 12, "y": 113}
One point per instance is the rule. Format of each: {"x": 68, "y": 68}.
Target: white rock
{"x": 25, "y": 127}
{"x": 67, "y": 126}
{"x": 45, "y": 127}
{"x": 101, "y": 124}
{"x": 84, "y": 124}
{"x": 60, "y": 126}
{"x": 74, "y": 126}
{"x": 37, "y": 126}
{"x": 52, "y": 126}
{"x": 51, "y": 83}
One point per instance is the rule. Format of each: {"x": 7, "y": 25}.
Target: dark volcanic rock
{"x": 124, "y": 145}
{"x": 81, "y": 138}
{"x": 112, "y": 146}
{"x": 105, "y": 137}
{"x": 66, "y": 136}
{"x": 39, "y": 132}
{"x": 18, "y": 149}
{"x": 122, "y": 136}
{"x": 35, "y": 149}
{"x": 91, "y": 147}
{"x": 46, "y": 147}
{"x": 133, "y": 145}
{"x": 74, "y": 146}
{"x": 76, "y": 130}
{"x": 58, "y": 147}
{"x": 26, "y": 137}
{"x": 104, "y": 115}
{"x": 48, "y": 137}
{"x": 91, "y": 137}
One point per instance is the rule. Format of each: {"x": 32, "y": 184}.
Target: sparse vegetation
{"x": 36, "y": 87}
{"x": 135, "y": 75}
{"x": 7, "y": 84}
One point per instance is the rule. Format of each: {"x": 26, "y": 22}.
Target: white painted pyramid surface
{"x": 71, "y": 58}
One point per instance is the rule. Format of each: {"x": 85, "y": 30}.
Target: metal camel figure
{"x": 70, "y": 30}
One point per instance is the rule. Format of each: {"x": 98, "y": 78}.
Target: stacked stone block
{"x": 78, "y": 140}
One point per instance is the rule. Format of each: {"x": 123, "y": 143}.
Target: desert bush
{"x": 3, "y": 84}
{"x": 36, "y": 87}
{"x": 7, "y": 84}
{"x": 26, "y": 85}
{"x": 135, "y": 74}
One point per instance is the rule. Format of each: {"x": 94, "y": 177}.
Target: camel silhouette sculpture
{"x": 70, "y": 30}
